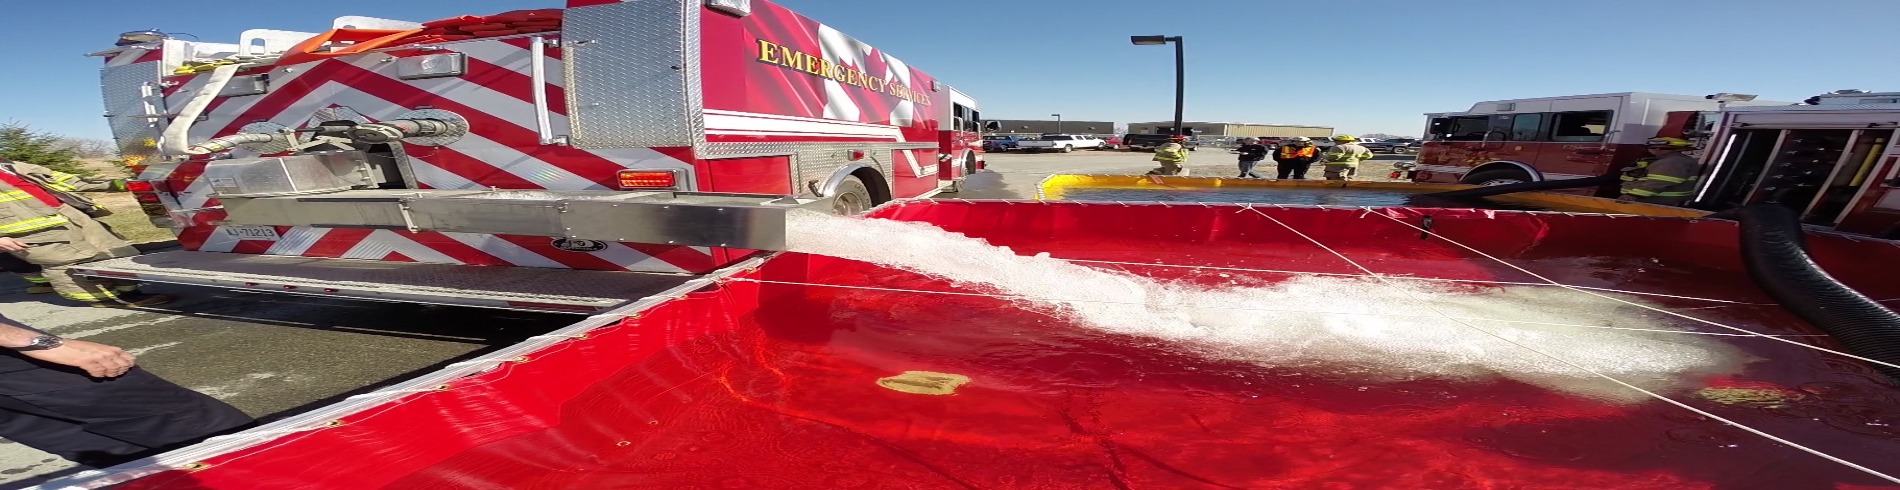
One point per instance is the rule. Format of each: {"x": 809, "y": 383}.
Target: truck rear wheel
{"x": 852, "y": 198}
{"x": 1496, "y": 177}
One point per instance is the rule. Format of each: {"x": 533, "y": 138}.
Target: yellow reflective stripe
{"x": 61, "y": 186}
{"x": 34, "y": 224}
{"x": 15, "y": 195}
{"x": 1666, "y": 178}
{"x": 1640, "y": 192}
{"x": 34, "y": 278}
{"x": 89, "y": 297}
{"x": 1673, "y": 193}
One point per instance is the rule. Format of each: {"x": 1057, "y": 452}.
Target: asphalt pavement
{"x": 276, "y": 355}
{"x": 268, "y": 355}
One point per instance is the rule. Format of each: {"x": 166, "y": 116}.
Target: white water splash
{"x": 1374, "y": 330}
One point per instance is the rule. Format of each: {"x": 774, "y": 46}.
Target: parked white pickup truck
{"x": 1060, "y": 142}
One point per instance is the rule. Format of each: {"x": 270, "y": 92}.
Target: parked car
{"x": 1060, "y": 142}
{"x": 1389, "y": 146}
{"x": 1000, "y": 143}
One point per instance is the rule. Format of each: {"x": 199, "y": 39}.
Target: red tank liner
{"x": 762, "y": 385}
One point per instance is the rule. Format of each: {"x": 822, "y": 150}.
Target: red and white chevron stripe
{"x": 134, "y": 54}
{"x": 502, "y": 150}
{"x": 445, "y": 248}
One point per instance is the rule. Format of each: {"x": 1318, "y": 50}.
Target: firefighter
{"x": 40, "y": 225}
{"x": 1342, "y": 160}
{"x": 1667, "y": 178}
{"x": 1173, "y": 157}
{"x": 1296, "y": 157}
{"x": 90, "y": 403}
{"x": 1251, "y": 153}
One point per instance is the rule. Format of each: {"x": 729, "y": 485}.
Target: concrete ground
{"x": 274, "y": 355}
{"x": 1015, "y": 175}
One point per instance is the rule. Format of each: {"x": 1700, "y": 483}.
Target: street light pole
{"x": 1058, "y": 122}
{"x": 1180, "y": 72}
{"x": 1180, "y": 82}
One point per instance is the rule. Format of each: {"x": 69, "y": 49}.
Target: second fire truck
{"x": 1832, "y": 157}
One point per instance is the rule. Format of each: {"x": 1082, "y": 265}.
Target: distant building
{"x": 1050, "y": 126}
{"x": 1204, "y": 128}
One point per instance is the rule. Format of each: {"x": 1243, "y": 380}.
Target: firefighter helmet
{"x": 1670, "y": 143}
{"x": 1302, "y": 139}
{"x": 1345, "y": 138}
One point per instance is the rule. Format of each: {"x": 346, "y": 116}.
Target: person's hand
{"x": 11, "y": 245}
{"x": 99, "y": 360}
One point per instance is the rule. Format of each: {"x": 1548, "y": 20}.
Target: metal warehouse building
{"x": 1044, "y": 127}
{"x": 1204, "y": 128}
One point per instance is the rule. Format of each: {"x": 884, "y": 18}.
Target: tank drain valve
{"x": 397, "y": 129}
{"x": 223, "y": 143}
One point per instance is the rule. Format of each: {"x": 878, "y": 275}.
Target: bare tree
{"x": 91, "y": 148}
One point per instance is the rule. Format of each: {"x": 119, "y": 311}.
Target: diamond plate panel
{"x": 632, "y": 74}
{"x": 128, "y": 108}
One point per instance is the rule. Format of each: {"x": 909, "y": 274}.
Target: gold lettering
{"x": 768, "y": 51}
{"x": 815, "y": 65}
{"x": 789, "y": 57}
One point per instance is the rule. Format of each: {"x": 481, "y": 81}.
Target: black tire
{"x": 853, "y": 198}
{"x": 1496, "y": 177}
{"x": 1067, "y": 148}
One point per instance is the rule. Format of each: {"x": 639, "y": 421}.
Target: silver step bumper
{"x": 509, "y": 288}
{"x": 748, "y": 221}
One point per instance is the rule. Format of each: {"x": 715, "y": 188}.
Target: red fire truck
{"x": 424, "y": 162}
{"x": 1831, "y": 157}
{"x": 1549, "y": 138}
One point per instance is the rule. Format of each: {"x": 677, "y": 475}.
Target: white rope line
{"x": 1652, "y": 394}
{"x": 1632, "y": 303}
{"x": 1407, "y": 278}
{"x": 1239, "y": 308}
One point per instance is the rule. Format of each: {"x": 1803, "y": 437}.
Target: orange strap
{"x": 365, "y": 39}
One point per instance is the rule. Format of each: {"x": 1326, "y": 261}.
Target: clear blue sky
{"x": 1362, "y": 66}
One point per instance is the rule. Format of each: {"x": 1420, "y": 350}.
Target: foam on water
{"x": 1359, "y": 327}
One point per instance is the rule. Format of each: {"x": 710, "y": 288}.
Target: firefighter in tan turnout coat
{"x": 40, "y": 224}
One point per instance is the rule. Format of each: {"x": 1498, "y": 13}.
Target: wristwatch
{"x": 42, "y": 342}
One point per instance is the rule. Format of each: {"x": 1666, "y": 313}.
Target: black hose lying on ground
{"x": 1774, "y": 249}
{"x": 1542, "y": 185}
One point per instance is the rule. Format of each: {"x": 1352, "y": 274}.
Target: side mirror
{"x": 991, "y": 126}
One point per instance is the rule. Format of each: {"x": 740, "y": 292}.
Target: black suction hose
{"x": 1544, "y": 185}
{"x": 1774, "y": 249}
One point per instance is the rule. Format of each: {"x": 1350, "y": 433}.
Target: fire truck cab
{"x": 1549, "y": 138}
